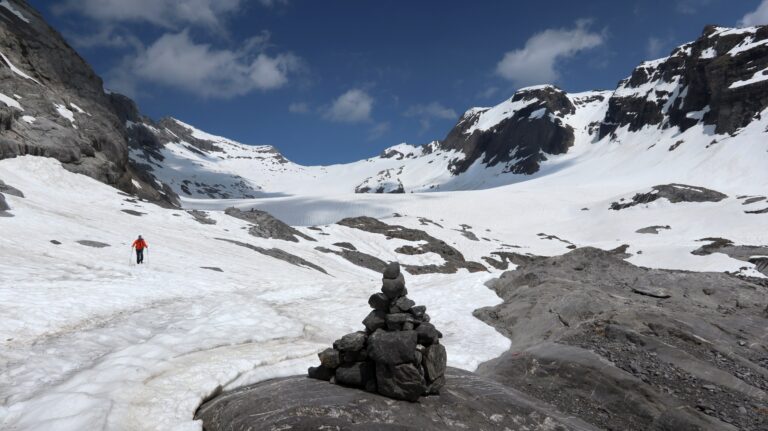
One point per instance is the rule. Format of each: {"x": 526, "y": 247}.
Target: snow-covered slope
{"x": 686, "y": 111}
{"x": 88, "y": 341}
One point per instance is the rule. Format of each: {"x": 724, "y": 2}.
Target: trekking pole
{"x": 130, "y": 258}
{"x": 147, "y": 251}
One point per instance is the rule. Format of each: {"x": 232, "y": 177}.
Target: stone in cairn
{"x": 399, "y": 354}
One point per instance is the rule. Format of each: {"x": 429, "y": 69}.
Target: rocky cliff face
{"x": 719, "y": 80}
{"x": 54, "y": 105}
{"x": 521, "y": 130}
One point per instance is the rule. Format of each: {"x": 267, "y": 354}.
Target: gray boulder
{"x": 330, "y": 358}
{"x": 393, "y": 288}
{"x": 427, "y": 334}
{"x": 379, "y": 301}
{"x": 353, "y": 342}
{"x": 357, "y": 374}
{"x": 401, "y": 382}
{"x": 375, "y": 320}
{"x": 392, "y": 348}
{"x": 392, "y": 271}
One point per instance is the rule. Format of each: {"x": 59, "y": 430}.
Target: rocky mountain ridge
{"x": 704, "y": 95}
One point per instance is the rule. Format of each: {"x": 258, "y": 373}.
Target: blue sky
{"x": 336, "y": 81}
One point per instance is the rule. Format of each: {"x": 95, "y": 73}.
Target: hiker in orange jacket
{"x": 139, "y": 245}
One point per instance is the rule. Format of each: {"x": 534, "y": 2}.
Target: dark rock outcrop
{"x": 653, "y": 230}
{"x": 524, "y": 137}
{"x": 9, "y": 190}
{"x": 699, "y": 80}
{"x": 755, "y": 254}
{"x": 277, "y": 254}
{"x": 69, "y": 116}
{"x": 399, "y": 355}
{"x": 264, "y": 225}
{"x": 633, "y": 348}
{"x": 94, "y": 244}
{"x": 358, "y": 258}
{"x": 469, "y": 402}
{"x": 674, "y": 193}
{"x": 454, "y": 260}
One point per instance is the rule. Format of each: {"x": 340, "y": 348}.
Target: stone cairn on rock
{"x": 399, "y": 354}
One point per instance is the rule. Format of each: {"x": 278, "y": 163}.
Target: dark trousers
{"x": 139, "y": 256}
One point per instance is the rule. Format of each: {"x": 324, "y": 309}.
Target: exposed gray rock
{"x": 353, "y": 342}
{"x": 8, "y": 190}
{"x": 346, "y": 245}
{"x": 654, "y": 230}
{"x": 95, "y": 143}
{"x": 357, "y": 258}
{"x": 454, "y": 260}
{"x": 277, "y": 254}
{"x": 55, "y": 242}
{"x": 392, "y": 348}
{"x": 263, "y": 225}
{"x": 393, "y": 288}
{"x": 674, "y": 193}
{"x": 401, "y": 382}
{"x": 94, "y": 244}
{"x": 469, "y": 402}
{"x": 356, "y": 374}
{"x": 3, "y": 204}
{"x": 133, "y": 212}
{"x": 330, "y": 358}
{"x": 626, "y": 361}
{"x": 212, "y": 268}
{"x": 201, "y": 217}
{"x": 386, "y": 358}
{"x": 755, "y": 254}
{"x": 520, "y": 142}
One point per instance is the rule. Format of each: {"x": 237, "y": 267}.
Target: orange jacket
{"x": 140, "y": 244}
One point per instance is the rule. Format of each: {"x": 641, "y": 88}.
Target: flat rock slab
{"x": 133, "y": 212}
{"x": 94, "y": 244}
{"x": 212, "y": 268}
{"x": 468, "y": 402}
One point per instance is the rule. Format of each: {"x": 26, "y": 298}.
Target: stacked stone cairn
{"x": 399, "y": 354}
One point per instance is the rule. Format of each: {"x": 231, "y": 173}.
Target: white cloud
{"x": 163, "y": 13}
{"x": 298, "y": 107}
{"x": 690, "y": 7}
{"x": 429, "y": 112}
{"x": 378, "y": 131}
{"x": 354, "y": 106}
{"x": 654, "y": 48}
{"x": 175, "y": 60}
{"x": 757, "y": 17}
{"x": 536, "y": 62}
{"x": 488, "y": 92}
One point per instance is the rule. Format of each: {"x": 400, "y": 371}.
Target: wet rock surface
{"x": 264, "y": 225}
{"x": 633, "y": 348}
{"x": 399, "y": 354}
{"x": 454, "y": 260}
{"x": 674, "y": 193}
